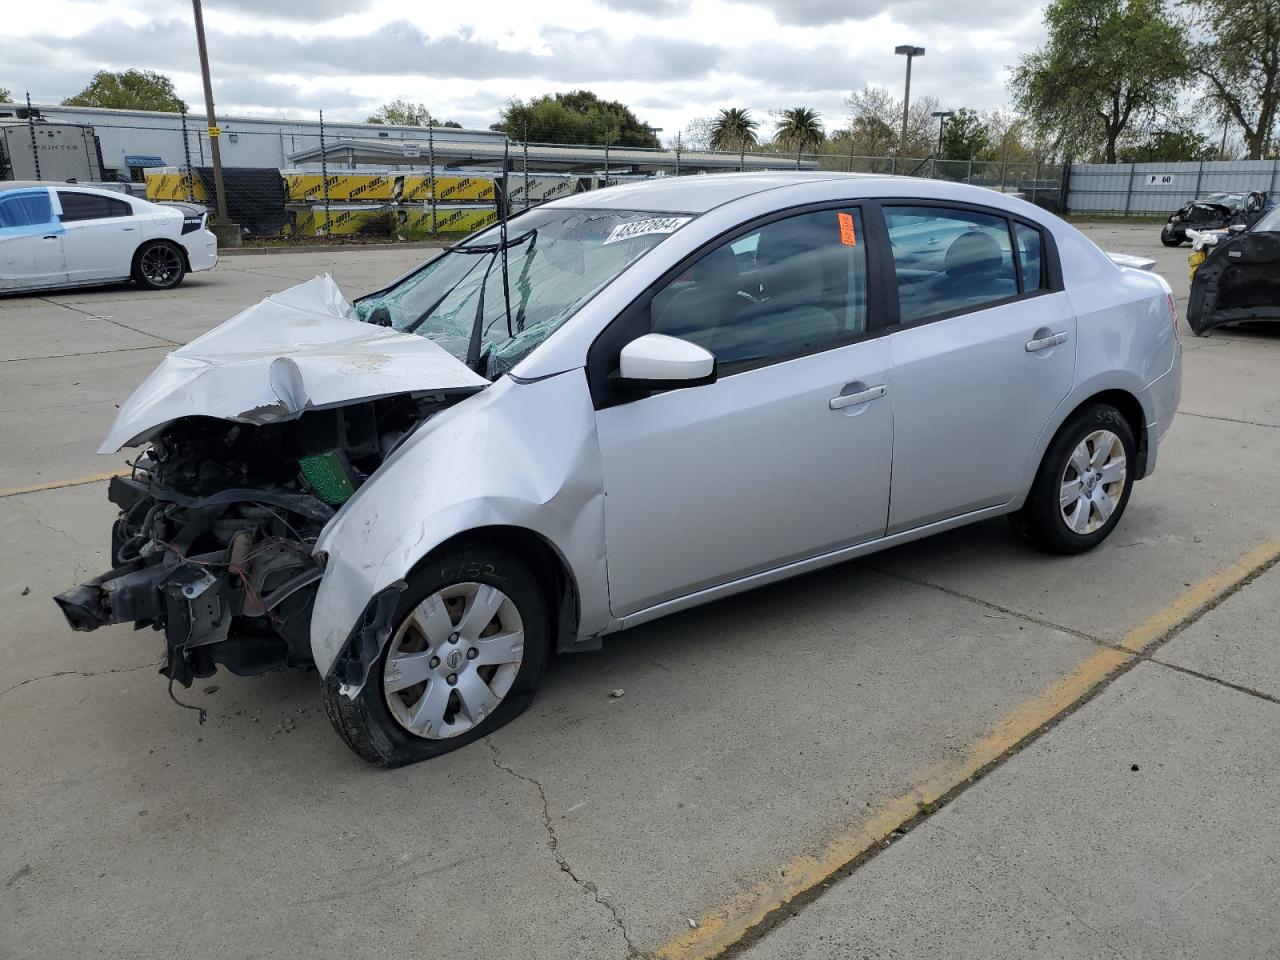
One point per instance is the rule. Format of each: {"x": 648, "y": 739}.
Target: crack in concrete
{"x": 78, "y": 673}
{"x": 1238, "y": 687}
{"x": 123, "y": 326}
{"x": 1247, "y": 423}
{"x": 87, "y": 353}
{"x": 553, "y": 844}
{"x": 1007, "y": 611}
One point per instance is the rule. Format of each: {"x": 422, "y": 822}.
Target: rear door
{"x": 30, "y": 241}
{"x": 102, "y": 234}
{"x": 983, "y": 354}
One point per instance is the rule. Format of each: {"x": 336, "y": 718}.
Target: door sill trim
{"x": 798, "y": 567}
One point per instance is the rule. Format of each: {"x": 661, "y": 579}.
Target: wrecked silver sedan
{"x": 610, "y": 409}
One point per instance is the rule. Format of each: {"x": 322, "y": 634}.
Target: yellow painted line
{"x": 721, "y": 927}
{"x": 59, "y": 484}
{"x": 1198, "y": 596}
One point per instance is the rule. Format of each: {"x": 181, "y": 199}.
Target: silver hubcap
{"x": 161, "y": 264}
{"x": 453, "y": 660}
{"x": 1092, "y": 482}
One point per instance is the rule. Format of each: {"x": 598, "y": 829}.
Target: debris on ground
{"x": 616, "y": 693}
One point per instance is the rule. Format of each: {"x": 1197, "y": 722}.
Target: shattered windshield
{"x": 557, "y": 259}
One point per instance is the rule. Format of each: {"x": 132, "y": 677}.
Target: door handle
{"x": 862, "y": 396}
{"x": 1044, "y": 343}
{"x": 128, "y": 229}
{"x": 50, "y": 236}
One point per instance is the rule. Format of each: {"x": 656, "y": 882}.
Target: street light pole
{"x": 910, "y": 52}
{"x": 228, "y": 233}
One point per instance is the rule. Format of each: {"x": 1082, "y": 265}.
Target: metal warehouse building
{"x": 135, "y": 139}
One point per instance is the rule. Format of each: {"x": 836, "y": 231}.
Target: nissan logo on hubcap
{"x": 455, "y": 660}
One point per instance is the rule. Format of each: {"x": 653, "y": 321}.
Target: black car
{"x": 1239, "y": 279}
{"x": 1215, "y": 212}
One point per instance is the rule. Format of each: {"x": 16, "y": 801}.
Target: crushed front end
{"x": 213, "y": 544}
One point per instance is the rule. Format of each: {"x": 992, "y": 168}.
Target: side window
{"x": 26, "y": 209}
{"x": 87, "y": 206}
{"x": 1030, "y": 257}
{"x": 949, "y": 261}
{"x": 791, "y": 287}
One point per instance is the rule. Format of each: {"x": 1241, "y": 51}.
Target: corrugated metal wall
{"x": 1156, "y": 188}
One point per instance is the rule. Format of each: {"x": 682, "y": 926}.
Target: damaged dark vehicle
{"x": 1217, "y": 211}
{"x": 1239, "y": 280}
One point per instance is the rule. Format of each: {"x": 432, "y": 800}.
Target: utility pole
{"x": 942, "y": 119}
{"x": 910, "y": 52}
{"x": 228, "y": 233}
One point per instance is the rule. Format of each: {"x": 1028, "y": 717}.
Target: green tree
{"x": 402, "y": 113}
{"x": 1179, "y": 140}
{"x": 733, "y": 129}
{"x": 576, "y": 117}
{"x": 965, "y": 136}
{"x": 5, "y": 95}
{"x": 1239, "y": 62}
{"x": 129, "y": 90}
{"x": 799, "y": 128}
{"x": 1109, "y": 67}
{"x": 875, "y": 124}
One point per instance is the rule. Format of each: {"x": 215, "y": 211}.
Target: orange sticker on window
{"x": 847, "y": 235}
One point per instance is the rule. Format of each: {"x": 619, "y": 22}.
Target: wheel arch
{"x": 545, "y": 562}
{"x": 1122, "y": 397}
{"x": 148, "y": 241}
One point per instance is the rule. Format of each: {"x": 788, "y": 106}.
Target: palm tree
{"x": 733, "y": 129}
{"x": 799, "y": 127}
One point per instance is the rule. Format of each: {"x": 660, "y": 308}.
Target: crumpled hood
{"x": 298, "y": 350}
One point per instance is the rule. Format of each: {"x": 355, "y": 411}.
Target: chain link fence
{"x": 305, "y": 181}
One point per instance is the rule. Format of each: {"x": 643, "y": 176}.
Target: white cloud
{"x": 672, "y": 59}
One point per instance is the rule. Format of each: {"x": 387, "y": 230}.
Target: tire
{"x": 1081, "y": 524}
{"x": 1170, "y": 238}
{"x": 159, "y": 265}
{"x": 376, "y": 725}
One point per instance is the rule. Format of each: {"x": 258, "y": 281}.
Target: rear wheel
{"x": 468, "y": 649}
{"x": 159, "y": 265}
{"x": 1083, "y": 483}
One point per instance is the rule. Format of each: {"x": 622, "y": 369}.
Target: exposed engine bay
{"x": 214, "y": 540}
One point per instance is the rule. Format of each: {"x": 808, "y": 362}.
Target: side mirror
{"x": 658, "y": 362}
{"x": 1238, "y": 228}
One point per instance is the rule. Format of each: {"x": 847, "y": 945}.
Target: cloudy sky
{"x": 671, "y": 60}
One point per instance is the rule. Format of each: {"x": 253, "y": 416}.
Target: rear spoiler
{"x": 1130, "y": 261}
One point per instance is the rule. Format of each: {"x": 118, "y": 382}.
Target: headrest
{"x": 718, "y": 268}
{"x": 973, "y": 254}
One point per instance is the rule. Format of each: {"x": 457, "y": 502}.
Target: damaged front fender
{"x": 520, "y": 454}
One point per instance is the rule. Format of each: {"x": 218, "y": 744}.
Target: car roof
{"x": 698, "y": 193}
{"x": 62, "y": 185}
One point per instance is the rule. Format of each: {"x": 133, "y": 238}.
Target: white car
{"x": 619, "y": 405}
{"x": 66, "y": 235}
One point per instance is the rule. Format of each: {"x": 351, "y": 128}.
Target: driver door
{"x": 784, "y": 457}
{"x": 30, "y": 241}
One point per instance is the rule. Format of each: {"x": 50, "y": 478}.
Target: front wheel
{"x": 1172, "y": 238}
{"x": 1083, "y": 484}
{"x": 467, "y": 651}
{"x": 159, "y": 265}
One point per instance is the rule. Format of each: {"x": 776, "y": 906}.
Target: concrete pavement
{"x": 761, "y": 743}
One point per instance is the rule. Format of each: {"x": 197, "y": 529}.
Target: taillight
{"x": 1173, "y": 317}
